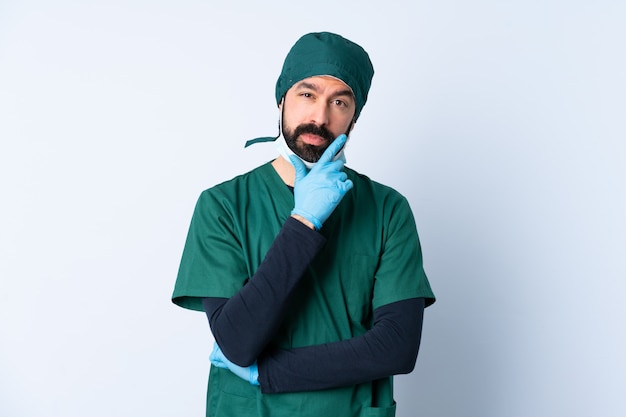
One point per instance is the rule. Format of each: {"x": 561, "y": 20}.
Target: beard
{"x": 308, "y": 152}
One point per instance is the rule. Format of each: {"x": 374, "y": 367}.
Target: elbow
{"x": 234, "y": 349}
{"x": 237, "y": 356}
{"x": 408, "y": 365}
{"x": 233, "y": 345}
{"x": 405, "y": 359}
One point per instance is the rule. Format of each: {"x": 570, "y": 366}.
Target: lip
{"x": 312, "y": 139}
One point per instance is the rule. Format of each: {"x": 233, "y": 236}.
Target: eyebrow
{"x": 314, "y": 87}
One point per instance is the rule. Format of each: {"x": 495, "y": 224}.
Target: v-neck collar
{"x": 281, "y": 191}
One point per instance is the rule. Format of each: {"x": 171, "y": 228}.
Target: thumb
{"x": 301, "y": 169}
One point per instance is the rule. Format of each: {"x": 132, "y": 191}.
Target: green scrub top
{"x": 372, "y": 257}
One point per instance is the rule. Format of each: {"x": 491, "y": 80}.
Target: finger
{"x": 335, "y": 165}
{"x": 216, "y": 356}
{"x": 219, "y": 364}
{"x": 345, "y": 186}
{"x": 217, "y": 361}
{"x": 216, "y": 351}
{"x": 333, "y": 149}
{"x": 299, "y": 166}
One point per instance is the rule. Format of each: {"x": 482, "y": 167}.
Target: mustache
{"x": 314, "y": 129}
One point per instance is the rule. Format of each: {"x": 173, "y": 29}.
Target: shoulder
{"x": 239, "y": 182}
{"x": 369, "y": 200}
{"x": 252, "y": 175}
{"x": 364, "y": 185}
{"x": 223, "y": 196}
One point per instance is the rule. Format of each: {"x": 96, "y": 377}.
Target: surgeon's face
{"x": 315, "y": 111}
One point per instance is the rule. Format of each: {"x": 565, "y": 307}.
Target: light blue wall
{"x": 502, "y": 122}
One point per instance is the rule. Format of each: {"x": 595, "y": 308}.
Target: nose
{"x": 319, "y": 113}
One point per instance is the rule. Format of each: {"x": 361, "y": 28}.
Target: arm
{"x": 244, "y": 324}
{"x": 389, "y": 348}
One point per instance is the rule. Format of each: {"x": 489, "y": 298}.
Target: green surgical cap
{"x": 326, "y": 53}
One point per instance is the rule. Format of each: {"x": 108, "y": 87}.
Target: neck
{"x": 285, "y": 170}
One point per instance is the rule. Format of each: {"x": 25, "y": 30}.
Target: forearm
{"x": 244, "y": 324}
{"x": 389, "y": 348}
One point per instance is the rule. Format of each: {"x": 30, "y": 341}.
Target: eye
{"x": 340, "y": 103}
{"x": 306, "y": 95}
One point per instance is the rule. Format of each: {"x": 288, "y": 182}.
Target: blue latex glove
{"x": 248, "y": 373}
{"x": 318, "y": 191}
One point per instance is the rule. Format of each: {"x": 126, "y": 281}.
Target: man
{"x": 310, "y": 273}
